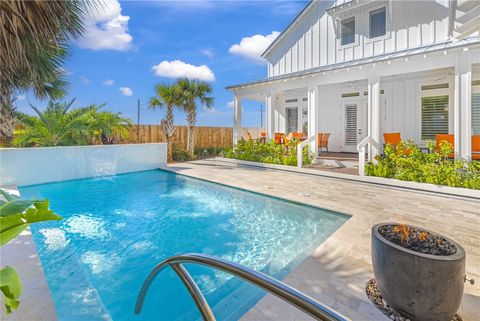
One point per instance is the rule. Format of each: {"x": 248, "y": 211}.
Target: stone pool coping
{"x": 338, "y": 270}
{"x": 21, "y": 253}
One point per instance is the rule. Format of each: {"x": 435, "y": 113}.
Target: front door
{"x": 291, "y": 120}
{"x": 355, "y": 125}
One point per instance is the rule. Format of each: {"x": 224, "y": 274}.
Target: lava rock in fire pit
{"x": 417, "y": 240}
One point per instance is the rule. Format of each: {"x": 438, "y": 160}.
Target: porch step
{"x": 337, "y": 163}
{"x": 338, "y": 160}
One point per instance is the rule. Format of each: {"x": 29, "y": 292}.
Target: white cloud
{"x": 230, "y": 104}
{"x": 108, "y": 82}
{"x": 177, "y": 68}
{"x": 126, "y": 91}
{"x": 253, "y": 47}
{"x": 207, "y": 52}
{"x": 85, "y": 80}
{"x": 106, "y": 28}
{"x": 21, "y": 97}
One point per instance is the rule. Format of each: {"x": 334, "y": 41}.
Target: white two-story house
{"x": 361, "y": 68}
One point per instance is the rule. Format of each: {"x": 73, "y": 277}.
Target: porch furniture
{"x": 323, "y": 143}
{"x": 278, "y": 138}
{"x": 263, "y": 137}
{"x": 449, "y": 138}
{"x": 297, "y": 135}
{"x": 476, "y": 147}
{"x": 392, "y": 138}
{"x": 285, "y": 139}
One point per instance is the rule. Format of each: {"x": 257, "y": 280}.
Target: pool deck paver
{"x": 336, "y": 273}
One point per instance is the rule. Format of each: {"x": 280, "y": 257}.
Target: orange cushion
{"x": 445, "y": 137}
{"x": 476, "y": 147}
{"x": 392, "y": 138}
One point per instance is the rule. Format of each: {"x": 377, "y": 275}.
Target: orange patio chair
{"x": 323, "y": 145}
{"x": 392, "y": 138}
{"x": 263, "y": 137}
{"x": 445, "y": 137}
{"x": 285, "y": 139}
{"x": 476, "y": 147}
{"x": 278, "y": 138}
{"x": 297, "y": 135}
{"x": 319, "y": 138}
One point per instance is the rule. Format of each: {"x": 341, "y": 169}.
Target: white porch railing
{"x": 361, "y": 147}
{"x": 300, "y": 149}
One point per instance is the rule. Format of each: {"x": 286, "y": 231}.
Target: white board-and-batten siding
{"x": 315, "y": 40}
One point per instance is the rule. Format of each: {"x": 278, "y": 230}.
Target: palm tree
{"x": 107, "y": 126}
{"x": 168, "y": 96}
{"x": 34, "y": 37}
{"x": 193, "y": 92}
{"x": 57, "y": 125}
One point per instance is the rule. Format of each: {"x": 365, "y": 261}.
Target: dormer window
{"x": 378, "y": 25}
{"x": 348, "y": 31}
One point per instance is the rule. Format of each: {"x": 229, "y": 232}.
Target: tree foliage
{"x": 194, "y": 93}
{"x": 35, "y": 37}
{"x": 168, "y": 96}
{"x": 57, "y": 125}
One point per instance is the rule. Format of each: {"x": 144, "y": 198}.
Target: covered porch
{"x": 417, "y": 93}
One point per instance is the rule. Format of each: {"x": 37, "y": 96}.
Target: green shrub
{"x": 407, "y": 162}
{"x": 204, "y": 152}
{"x": 181, "y": 155}
{"x": 257, "y": 151}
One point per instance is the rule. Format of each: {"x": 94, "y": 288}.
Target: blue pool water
{"x": 116, "y": 229}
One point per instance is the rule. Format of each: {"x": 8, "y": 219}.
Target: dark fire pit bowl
{"x": 419, "y": 286}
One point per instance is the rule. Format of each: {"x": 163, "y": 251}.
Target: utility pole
{"x": 138, "y": 120}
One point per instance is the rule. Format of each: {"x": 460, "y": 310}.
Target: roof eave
{"x": 282, "y": 34}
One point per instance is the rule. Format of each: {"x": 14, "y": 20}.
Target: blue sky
{"x": 130, "y": 46}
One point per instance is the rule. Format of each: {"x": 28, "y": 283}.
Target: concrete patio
{"x": 336, "y": 273}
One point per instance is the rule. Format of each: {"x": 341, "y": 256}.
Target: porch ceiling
{"x": 380, "y": 59}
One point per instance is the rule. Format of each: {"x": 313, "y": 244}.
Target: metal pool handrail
{"x": 267, "y": 283}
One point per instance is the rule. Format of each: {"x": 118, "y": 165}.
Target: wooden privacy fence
{"x": 204, "y": 136}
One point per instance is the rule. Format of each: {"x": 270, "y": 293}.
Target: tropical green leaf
{"x": 13, "y": 224}
{"x": 40, "y": 215}
{"x": 11, "y": 288}
{"x": 15, "y": 207}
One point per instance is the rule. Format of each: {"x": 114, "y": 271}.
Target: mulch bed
{"x": 417, "y": 240}
{"x": 376, "y": 297}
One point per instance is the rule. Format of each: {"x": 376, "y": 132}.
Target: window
{"x": 476, "y": 113}
{"x": 348, "y": 31}
{"x": 434, "y": 116}
{"x": 292, "y": 119}
{"x": 378, "y": 26}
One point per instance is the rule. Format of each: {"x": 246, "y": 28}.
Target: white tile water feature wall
{"x": 26, "y": 166}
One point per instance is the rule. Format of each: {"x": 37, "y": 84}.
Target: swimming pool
{"x": 116, "y": 229}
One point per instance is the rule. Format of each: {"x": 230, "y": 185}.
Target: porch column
{"x": 313, "y": 116}
{"x": 270, "y": 116}
{"x": 462, "y": 113}
{"x": 237, "y": 118}
{"x": 374, "y": 115}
